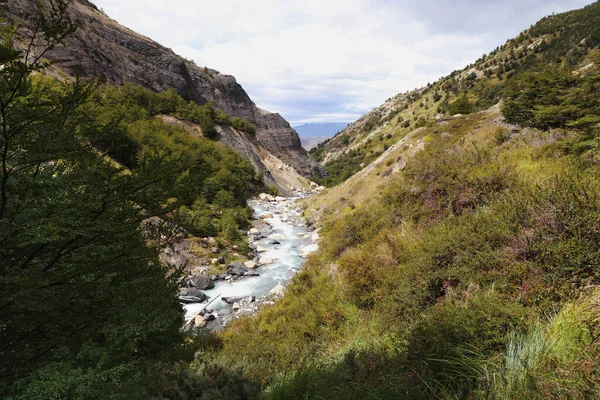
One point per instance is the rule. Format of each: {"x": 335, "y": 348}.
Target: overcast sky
{"x": 324, "y": 61}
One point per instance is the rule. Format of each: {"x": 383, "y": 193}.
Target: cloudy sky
{"x": 331, "y": 60}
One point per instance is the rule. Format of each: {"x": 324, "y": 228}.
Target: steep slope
{"x": 105, "y": 49}
{"x": 275, "y": 171}
{"x": 567, "y": 38}
{"x": 449, "y": 240}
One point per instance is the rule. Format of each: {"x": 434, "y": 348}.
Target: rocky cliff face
{"x": 105, "y": 49}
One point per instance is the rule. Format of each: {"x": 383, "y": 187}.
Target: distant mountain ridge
{"x": 311, "y": 142}
{"x": 327, "y": 130}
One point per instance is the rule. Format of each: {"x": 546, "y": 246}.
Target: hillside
{"x": 455, "y": 251}
{"x": 101, "y": 48}
{"x": 566, "y": 38}
{"x": 459, "y": 250}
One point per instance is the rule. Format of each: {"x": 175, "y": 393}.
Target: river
{"x": 281, "y": 239}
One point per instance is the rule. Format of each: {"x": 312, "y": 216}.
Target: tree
{"x": 86, "y": 309}
{"x": 461, "y": 105}
{"x": 553, "y": 98}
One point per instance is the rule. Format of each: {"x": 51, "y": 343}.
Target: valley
{"x": 163, "y": 237}
{"x": 281, "y": 242}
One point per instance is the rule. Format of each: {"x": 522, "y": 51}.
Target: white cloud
{"x": 319, "y": 60}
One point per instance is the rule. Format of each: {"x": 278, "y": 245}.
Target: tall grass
{"x": 552, "y": 359}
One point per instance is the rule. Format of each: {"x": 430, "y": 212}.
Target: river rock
{"x": 277, "y": 236}
{"x": 266, "y": 197}
{"x": 191, "y": 295}
{"x": 235, "y": 307}
{"x": 277, "y": 291}
{"x": 199, "y": 321}
{"x": 239, "y": 299}
{"x": 279, "y": 198}
{"x": 215, "y": 250}
{"x": 274, "y": 242}
{"x": 209, "y": 317}
{"x": 266, "y": 261}
{"x": 251, "y": 273}
{"x": 308, "y": 250}
{"x": 265, "y": 215}
{"x": 221, "y": 260}
{"x": 315, "y": 237}
{"x": 237, "y": 269}
{"x": 250, "y": 264}
{"x": 253, "y": 232}
{"x": 224, "y": 312}
{"x": 261, "y": 249}
{"x": 201, "y": 281}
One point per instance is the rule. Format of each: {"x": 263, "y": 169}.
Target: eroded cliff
{"x": 103, "y": 48}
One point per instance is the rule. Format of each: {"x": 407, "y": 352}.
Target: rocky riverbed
{"x": 279, "y": 241}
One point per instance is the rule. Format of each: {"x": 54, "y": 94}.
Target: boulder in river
{"x": 201, "y": 281}
{"x": 266, "y": 197}
{"x": 279, "y": 198}
{"x": 277, "y": 236}
{"x": 209, "y": 317}
{"x": 266, "y": 261}
{"x": 237, "y": 269}
{"x": 191, "y": 295}
{"x": 265, "y": 215}
{"x": 250, "y": 264}
{"x": 308, "y": 250}
{"x": 239, "y": 299}
{"x": 277, "y": 291}
{"x": 199, "y": 321}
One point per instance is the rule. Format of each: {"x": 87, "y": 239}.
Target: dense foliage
{"x": 554, "y": 98}
{"x": 87, "y": 310}
{"x": 212, "y": 181}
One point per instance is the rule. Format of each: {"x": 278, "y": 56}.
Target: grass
{"x": 554, "y": 358}
{"x": 424, "y": 290}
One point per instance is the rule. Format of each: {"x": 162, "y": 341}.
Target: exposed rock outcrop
{"x": 105, "y": 49}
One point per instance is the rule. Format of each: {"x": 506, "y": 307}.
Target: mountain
{"x": 565, "y": 38}
{"x": 310, "y": 142}
{"x": 456, "y": 248}
{"x": 326, "y": 130}
{"x": 459, "y": 249}
{"x": 101, "y": 48}
{"x": 313, "y": 134}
